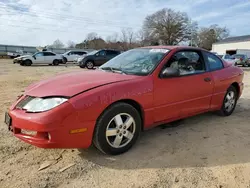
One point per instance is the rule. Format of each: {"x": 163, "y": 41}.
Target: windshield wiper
{"x": 113, "y": 69}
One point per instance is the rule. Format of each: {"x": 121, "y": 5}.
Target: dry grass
{"x": 205, "y": 151}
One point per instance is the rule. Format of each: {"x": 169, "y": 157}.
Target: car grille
{"x": 23, "y": 102}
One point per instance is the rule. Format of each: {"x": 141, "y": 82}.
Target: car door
{"x": 38, "y": 58}
{"x": 188, "y": 94}
{"x": 100, "y": 57}
{"x": 49, "y": 57}
{"x": 71, "y": 56}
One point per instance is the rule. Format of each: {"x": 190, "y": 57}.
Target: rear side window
{"x": 110, "y": 52}
{"x": 213, "y": 61}
{"x": 80, "y": 53}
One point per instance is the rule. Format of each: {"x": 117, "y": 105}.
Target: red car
{"x": 137, "y": 90}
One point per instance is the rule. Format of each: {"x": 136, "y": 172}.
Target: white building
{"x": 232, "y": 44}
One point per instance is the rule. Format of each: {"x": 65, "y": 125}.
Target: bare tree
{"x": 57, "y": 44}
{"x": 92, "y": 36}
{"x": 168, "y": 27}
{"x": 71, "y": 44}
{"x": 127, "y": 38}
{"x": 209, "y": 35}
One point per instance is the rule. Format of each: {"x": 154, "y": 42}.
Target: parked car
{"x": 71, "y": 55}
{"x": 18, "y": 53}
{"x": 228, "y": 58}
{"x": 13, "y": 55}
{"x": 98, "y": 58}
{"x": 39, "y": 58}
{"x": 136, "y": 91}
{"x": 241, "y": 59}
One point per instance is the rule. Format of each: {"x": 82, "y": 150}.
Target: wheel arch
{"x": 90, "y": 59}
{"x": 131, "y": 102}
{"x": 28, "y": 59}
{"x": 237, "y": 87}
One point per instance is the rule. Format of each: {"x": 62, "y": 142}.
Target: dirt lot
{"x": 204, "y": 151}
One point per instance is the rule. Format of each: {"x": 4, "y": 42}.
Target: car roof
{"x": 174, "y": 47}
{"x": 110, "y": 50}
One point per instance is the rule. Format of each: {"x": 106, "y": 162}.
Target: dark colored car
{"x": 98, "y": 58}
{"x": 241, "y": 59}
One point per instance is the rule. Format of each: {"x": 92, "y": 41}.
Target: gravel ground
{"x": 204, "y": 151}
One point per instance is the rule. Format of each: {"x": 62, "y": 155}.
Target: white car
{"x": 72, "y": 55}
{"x": 39, "y": 58}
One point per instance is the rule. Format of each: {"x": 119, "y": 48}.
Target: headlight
{"x": 41, "y": 105}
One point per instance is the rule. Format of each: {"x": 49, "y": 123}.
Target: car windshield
{"x": 140, "y": 61}
{"x": 93, "y": 52}
{"x": 66, "y": 52}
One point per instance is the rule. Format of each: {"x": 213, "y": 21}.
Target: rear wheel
{"x": 229, "y": 102}
{"x": 27, "y": 62}
{"x": 56, "y": 62}
{"x": 117, "y": 129}
{"x": 90, "y": 65}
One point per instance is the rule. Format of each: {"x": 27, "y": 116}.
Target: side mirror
{"x": 34, "y": 56}
{"x": 97, "y": 54}
{"x": 170, "y": 72}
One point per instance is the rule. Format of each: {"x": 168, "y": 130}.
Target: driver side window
{"x": 39, "y": 54}
{"x": 102, "y": 53}
{"x": 187, "y": 62}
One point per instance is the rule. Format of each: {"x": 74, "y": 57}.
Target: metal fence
{"x": 31, "y": 49}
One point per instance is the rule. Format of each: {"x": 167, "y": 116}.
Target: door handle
{"x": 207, "y": 79}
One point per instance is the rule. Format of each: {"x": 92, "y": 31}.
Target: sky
{"x": 40, "y": 22}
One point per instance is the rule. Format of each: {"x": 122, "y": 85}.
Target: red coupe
{"x": 135, "y": 91}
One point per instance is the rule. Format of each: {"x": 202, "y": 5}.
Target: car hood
{"x": 70, "y": 84}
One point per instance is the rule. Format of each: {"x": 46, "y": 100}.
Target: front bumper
{"x": 19, "y": 61}
{"x": 56, "y": 128}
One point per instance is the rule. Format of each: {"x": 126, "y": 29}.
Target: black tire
{"x": 224, "y": 111}
{"x": 27, "y": 62}
{"x": 100, "y": 140}
{"x": 65, "y": 60}
{"x": 56, "y": 62}
{"x": 89, "y": 64}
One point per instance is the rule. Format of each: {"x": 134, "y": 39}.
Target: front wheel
{"x": 117, "y": 129}
{"x": 27, "y": 62}
{"x": 229, "y": 102}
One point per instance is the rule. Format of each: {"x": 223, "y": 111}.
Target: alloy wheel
{"x": 120, "y": 130}
{"x": 230, "y": 101}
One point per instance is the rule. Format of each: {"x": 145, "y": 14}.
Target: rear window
{"x": 213, "y": 61}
